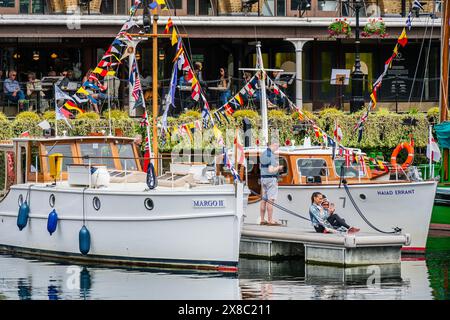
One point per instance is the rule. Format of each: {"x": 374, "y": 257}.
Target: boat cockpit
{"x": 27, "y": 159}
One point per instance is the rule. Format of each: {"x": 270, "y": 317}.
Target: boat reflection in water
{"x": 262, "y": 279}
{"x": 30, "y": 279}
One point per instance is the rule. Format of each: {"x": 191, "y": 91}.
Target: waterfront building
{"x": 55, "y": 35}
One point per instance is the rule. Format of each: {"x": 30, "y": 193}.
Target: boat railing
{"x": 360, "y": 172}
{"x": 140, "y": 165}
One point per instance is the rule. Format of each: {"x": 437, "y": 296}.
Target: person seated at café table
{"x": 186, "y": 100}
{"x": 224, "y": 82}
{"x": 34, "y": 87}
{"x": 274, "y": 98}
{"x": 12, "y": 90}
{"x": 68, "y": 77}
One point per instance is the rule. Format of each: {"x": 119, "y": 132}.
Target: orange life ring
{"x": 409, "y": 160}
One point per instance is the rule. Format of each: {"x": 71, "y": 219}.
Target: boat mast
{"x": 443, "y": 99}
{"x": 155, "y": 90}
{"x": 262, "y": 84}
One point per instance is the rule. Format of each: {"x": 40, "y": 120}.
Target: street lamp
{"x": 357, "y": 99}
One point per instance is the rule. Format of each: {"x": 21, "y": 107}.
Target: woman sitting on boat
{"x": 324, "y": 219}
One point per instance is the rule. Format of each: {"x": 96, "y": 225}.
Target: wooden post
{"x": 444, "y": 77}
{"x": 155, "y": 92}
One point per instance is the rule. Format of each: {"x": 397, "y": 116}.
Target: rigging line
{"x": 426, "y": 65}
{"x": 418, "y": 61}
{"x": 397, "y": 230}
{"x": 171, "y": 14}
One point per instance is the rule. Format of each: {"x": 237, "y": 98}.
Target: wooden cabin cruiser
{"x": 387, "y": 199}
{"x": 105, "y": 211}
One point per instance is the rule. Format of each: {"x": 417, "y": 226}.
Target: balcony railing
{"x": 278, "y": 8}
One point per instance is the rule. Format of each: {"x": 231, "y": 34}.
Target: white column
{"x": 298, "y": 44}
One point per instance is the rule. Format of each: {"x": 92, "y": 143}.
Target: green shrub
{"x": 88, "y": 115}
{"x": 116, "y": 114}
{"x": 28, "y": 115}
{"x": 6, "y": 132}
{"x": 26, "y": 121}
{"x": 330, "y": 112}
{"x": 413, "y": 111}
{"x": 189, "y": 116}
{"x": 433, "y": 112}
{"x": 3, "y": 117}
{"x": 49, "y": 115}
{"x": 383, "y": 112}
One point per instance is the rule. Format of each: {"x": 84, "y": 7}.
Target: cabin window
{"x": 64, "y": 149}
{"x": 23, "y": 164}
{"x": 35, "y": 166}
{"x": 353, "y": 171}
{"x": 282, "y": 162}
{"x": 126, "y": 151}
{"x": 312, "y": 167}
{"x": 100, "y": 153}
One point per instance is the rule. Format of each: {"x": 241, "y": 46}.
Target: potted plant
{"x": 339, "y": 27}
{"x": 375, "y": 27}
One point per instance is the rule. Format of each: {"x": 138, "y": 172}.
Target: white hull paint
{"x": 404, "y": 205}
{"x": 176, "y": 233}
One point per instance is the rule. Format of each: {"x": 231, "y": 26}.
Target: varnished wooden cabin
{"x": 307, "y": 166}
{"x": 27, "y": 158}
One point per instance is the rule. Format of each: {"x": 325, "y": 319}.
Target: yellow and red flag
{"x": 168, "y": 26}
{"x": 403, "y": 39}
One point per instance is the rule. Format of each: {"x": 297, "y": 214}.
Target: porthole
{"x": 96, "y": 203}
{"x": 148, "y": 203}
{"x": 362, "y": 196}
{"x": 289, "y": 197}
{"x": 20, "y": 200}
{"x": 51, "y": 200}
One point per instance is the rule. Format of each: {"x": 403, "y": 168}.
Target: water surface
{"x": 417, "y": 277}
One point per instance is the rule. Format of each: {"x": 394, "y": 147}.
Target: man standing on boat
{"x": 269, "y": 182}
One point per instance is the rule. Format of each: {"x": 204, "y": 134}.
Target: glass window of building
{"x": 367, "y": 62}
{"x": 7, "y": 3}
{"x": 281, "y": 7}
{"x": 267, "y": 8}
{"x": 300, "y": 4}
{"x": 175, "y": 4}
{"x": 99, "y": 152}
{"x": 328, "y": 5}
{"x": 31, "y": 6}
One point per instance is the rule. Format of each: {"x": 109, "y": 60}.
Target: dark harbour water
{"x": 417, "y": 277}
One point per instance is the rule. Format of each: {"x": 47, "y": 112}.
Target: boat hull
{"x": 406, "y": 205}
{"x": 178, "y": 232}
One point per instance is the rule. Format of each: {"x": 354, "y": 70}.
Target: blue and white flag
{"x": 417, "y": 5}
{"x": 409, "y": 21}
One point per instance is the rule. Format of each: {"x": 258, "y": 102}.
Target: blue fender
{"x": 52, "y": 222}
{"x": 84, "y": 240}
{"x": 22, "y": 217}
